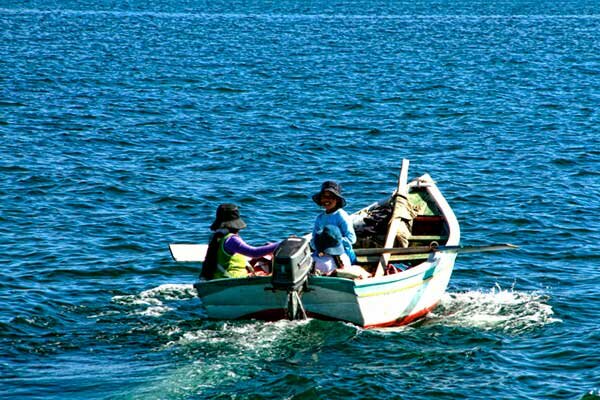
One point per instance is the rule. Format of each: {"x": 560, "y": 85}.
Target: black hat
{"x": 333, "y": 188}
{"x": 228, "y": 216}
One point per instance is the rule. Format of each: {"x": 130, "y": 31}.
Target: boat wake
{"x": 242, "y": 354}
{"x": 497, "y": 309}
{"x": 500, "y": 309}
{"x": 154, "y": 302}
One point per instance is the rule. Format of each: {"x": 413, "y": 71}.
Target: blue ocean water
{"x": 124, "y": 124}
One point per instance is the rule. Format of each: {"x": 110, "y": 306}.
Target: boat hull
{"x": 242, "y": 299}
{"x": 390, "y": 300}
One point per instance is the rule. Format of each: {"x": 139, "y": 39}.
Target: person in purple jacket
{"x": 227, "y": 255}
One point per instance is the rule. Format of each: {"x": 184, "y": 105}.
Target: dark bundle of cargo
{"x": 292, "y": 262}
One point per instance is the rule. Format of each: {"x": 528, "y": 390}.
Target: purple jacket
{"x": 235, "y": 244}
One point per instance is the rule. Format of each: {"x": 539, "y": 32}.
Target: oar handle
{"x": 401, "y": 191}
{"x": 431, "y": 249}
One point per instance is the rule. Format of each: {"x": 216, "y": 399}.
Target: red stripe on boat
{"x": 277, "y": 314}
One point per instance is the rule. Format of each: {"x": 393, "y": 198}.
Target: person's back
{"x": 230, "y": 265}
{"x": 227, "y": 255}
{"x": 329, "y": 254}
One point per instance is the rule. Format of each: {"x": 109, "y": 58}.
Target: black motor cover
{"x": 292, "y": 262}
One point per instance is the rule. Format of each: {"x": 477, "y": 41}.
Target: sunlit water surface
{"x": 123, "y": 126}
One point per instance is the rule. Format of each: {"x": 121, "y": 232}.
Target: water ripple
{"x": 123, "y": 126}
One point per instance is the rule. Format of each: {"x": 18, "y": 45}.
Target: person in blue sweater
{"x": 330, "y": 198}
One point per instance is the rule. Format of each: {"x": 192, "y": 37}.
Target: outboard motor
{"x": 292, "y": 262}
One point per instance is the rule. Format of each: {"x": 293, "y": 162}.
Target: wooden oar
{"x": 432, "y": 249}
{"x": 196, "y": 252}
{"x": 400, "y": 200}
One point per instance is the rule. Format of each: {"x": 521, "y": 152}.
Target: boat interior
{"x": 422, "y": 226}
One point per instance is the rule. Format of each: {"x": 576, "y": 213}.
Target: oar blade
{"x": 184, "y": 252}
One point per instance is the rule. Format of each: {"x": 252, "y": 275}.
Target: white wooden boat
{"x": 387, "y": 299}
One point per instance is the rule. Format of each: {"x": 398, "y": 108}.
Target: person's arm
{"x": 235, "y": 244}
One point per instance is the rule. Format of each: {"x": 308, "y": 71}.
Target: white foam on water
{"x": 593, "y": 394}
{"x": 227, "y": 354}
{"x": 497, "y": 309}
{"x": 171, "y": 291}
{"x": 151, "y": 302}
{"x": 156, "y": 311}
{"x": 252, "y": 337}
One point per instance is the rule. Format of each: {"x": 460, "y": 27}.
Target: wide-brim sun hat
{"x": 333, "y": 188}
{"x": 329, "y": 241}
{"x": 228, "y": 216}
